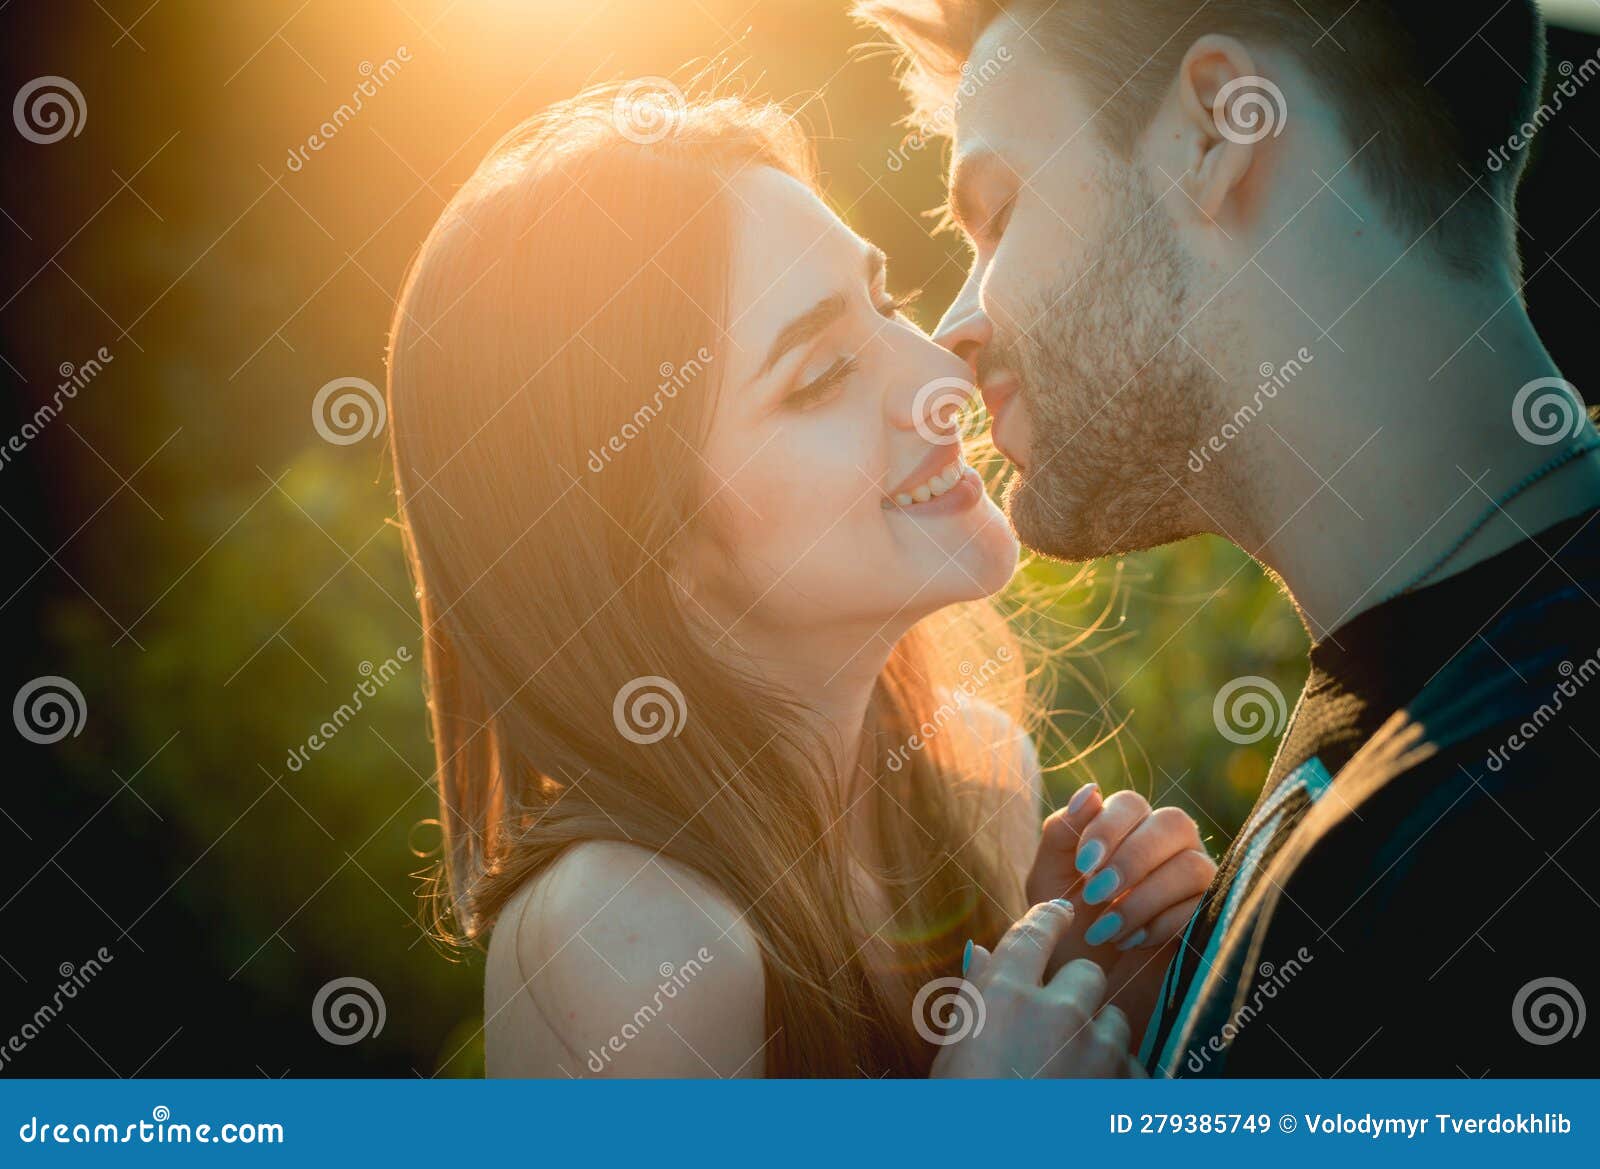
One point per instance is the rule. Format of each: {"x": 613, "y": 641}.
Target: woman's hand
{"x": 1032, "y": 1027}
{"x": 1133, "y": 875}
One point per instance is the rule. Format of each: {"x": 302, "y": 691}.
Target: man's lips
{"x": 998, "y": 392}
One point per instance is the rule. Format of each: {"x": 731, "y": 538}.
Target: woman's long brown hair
{"x": 541, "y": 316}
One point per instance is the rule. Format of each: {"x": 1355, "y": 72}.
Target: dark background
{"x": 181, "y": 544}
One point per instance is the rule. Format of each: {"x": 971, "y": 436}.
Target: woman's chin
{"x": 999, "y": 565}
{"x": 985, "y": 564}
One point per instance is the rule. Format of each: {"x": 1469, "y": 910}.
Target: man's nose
{"x": 965, "y": 329}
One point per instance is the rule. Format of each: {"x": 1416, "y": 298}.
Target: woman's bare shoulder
{"x": 616, "y": 961}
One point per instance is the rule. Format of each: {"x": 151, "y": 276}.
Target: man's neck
{"x": 1400, "y": 446}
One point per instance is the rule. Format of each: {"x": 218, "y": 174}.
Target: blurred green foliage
{"x": 1179, "y": 624}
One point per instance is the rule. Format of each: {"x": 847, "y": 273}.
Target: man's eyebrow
{"x": 819, "y": 316}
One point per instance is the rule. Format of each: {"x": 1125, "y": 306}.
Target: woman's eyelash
{"x": 813, "y": 391}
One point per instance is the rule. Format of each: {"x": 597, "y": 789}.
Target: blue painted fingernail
{"x": 966, "y": 957}
{"x": 1081, "y": 797}
{"x": 1089, "y": 855}
{"x": 1133, "y": 939}
{"x": 1104, "y": 930}
{"x": 1101, "y": 887}
{"x": 1065, "y": 904}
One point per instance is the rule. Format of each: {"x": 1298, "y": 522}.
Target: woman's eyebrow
{"x": 820, "y": 315}
{"x": 804, "y": 327}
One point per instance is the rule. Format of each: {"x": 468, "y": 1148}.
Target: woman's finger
{"x": 1169, "y": 924}
{"x": 1083, "y": 983}
{"x": 976, "y": 959}
{"x": 1162, "y": 835}
{"x": 1053, "y": 873}
{"x": 1070, "y": 821}
{"x": 1122, "y": 812}
{"x": 1028, "y": 944}
{"x": 1157, "y": 932}
{"x": 1178, "y": 881}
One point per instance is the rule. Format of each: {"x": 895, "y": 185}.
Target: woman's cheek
{"x": 762, "y": 507}
{"x": 788, "y": 498}
{"x": 780, "y": 494}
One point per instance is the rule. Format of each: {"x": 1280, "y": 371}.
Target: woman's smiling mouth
{"x": 942, "y": 484}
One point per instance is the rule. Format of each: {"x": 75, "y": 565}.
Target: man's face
{"x": 1076, "y": 313}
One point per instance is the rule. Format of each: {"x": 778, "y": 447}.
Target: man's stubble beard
{"x": 1115, "y": 399}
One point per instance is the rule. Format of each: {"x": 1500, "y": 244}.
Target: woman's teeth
{"x": 934, "y": 487}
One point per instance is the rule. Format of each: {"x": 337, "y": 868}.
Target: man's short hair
{"x": 1441, "y": 94}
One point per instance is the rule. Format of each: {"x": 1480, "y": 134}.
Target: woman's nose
{"x": 932, "y": 395}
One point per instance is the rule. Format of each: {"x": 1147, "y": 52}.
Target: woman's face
{"x": 837, "y": 491}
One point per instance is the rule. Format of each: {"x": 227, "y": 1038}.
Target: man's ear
{"x": 1223, "y": 109}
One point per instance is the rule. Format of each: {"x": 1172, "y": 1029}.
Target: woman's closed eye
{"x": 822, "y": 387}
{"x": 825, "y": 385}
